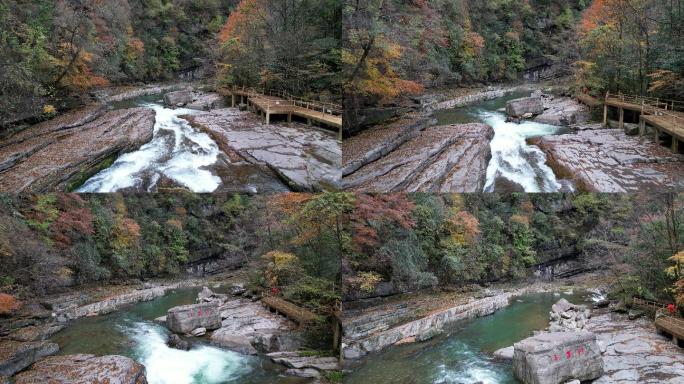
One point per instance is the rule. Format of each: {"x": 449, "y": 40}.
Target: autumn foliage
{"x": 8, "y": 304}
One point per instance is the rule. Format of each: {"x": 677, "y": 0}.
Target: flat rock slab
{"x": 294, "y": 360}
{"x": 248, "y": 327}
{"x": 557, "y": 357}
{"x": 16, "y": 356}
{"x": 187, "y": 318}
{"x": 84, "y": 369}
{"x": 635, "y": 352}
{"x": 36, "y": 333}
{"x": 449, "y": 158}
{"x": 380, "y": 140}
{"x": 608, "y": 160}
{"x": 49, "y": 156}
{"x": 306, "y": 159}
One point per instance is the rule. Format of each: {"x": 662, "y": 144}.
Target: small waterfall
{"x": 200, "y": 365}
{"x": 516, "y": 161}
{"x": 177, "y": 151}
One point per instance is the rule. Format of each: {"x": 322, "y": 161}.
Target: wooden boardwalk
{"x": 665, "y": 116}
{"x": 268, "y": 103}
{"x": 296, "y": 313}
{"x": 671, "y": 325}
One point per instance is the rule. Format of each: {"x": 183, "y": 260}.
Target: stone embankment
{"x": 444, "y": 100}
{"x": 382, "y": 329}
{"x": 51, "y": 156}
{"x": 307, "y": 159}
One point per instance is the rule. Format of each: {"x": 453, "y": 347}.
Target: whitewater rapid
{"x": 200, "y": 365}
{"x": 177, "y": 151}
{"x": 514, "y": 159}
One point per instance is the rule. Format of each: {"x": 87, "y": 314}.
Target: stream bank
{"x": 555, "y": 149}
{"x": 464, "y": 351}
{"x": 136, "y": 143}
{"x": 458, "y": 144}
{"x": 125, "y": 329}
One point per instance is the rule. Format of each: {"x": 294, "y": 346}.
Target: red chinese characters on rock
{"x": 568, "y": 354}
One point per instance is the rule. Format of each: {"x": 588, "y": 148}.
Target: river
{"x": 513, "y": 161}
{"x": 178, "y": 155}
{"x": 463, "y": 355}
{"x": 131, "y": 332}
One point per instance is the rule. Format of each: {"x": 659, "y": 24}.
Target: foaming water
{"x": 177, "y": 151}
{"x": 473, "y": 367}
{"x": 200, "y": 365}
{"x": 513, "y": 159}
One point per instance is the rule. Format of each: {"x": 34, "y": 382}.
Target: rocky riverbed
{"x": 608, "y": 160}
{"x": 411, "y": 156}
{"x": 306, "y": 159}
{"x": 53, "y": 156}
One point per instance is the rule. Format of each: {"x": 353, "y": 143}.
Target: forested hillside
{"x": 411, "y": 242}
{"x": 52, "y": 53}
{"x": 51, "y": 242}
{"x": 396, "y": 49}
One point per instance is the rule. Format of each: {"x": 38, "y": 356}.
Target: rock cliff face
{"x": 450, "y": 158}
{"x": 52, "y": 155}
{"x": 379, "y": 333}
{"x": 84, "y": 369}
{"x": 306, "y": 159}
{"x": 607, "y": 160}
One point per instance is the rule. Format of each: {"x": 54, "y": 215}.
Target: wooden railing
{"x": 325, "y": 107}
{"x": 290, "y": 310}
{"x": 654, "y": 102}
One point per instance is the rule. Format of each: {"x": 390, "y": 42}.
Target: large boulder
{"x": 519, "y": 107}
{"x": 186, "y": 318}
{"x": 15, "y": 355}
{"x": 556, "y": 358}
{"x": 84, "y": 369}
{"x": 178, "y": 98}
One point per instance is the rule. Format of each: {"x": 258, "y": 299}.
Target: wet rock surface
{"x": 557, "y": 357}
{"x": 248, "y": 327}
{"x": 450, "y": 158}
{"x": 51, "y": 155}
{"x": 84, "y": 369}
{"x": 608, "y": 160}
{"x": 16, "y": 356}
{"x": 635, "y": 352}
{"x": 305, "y": 158}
